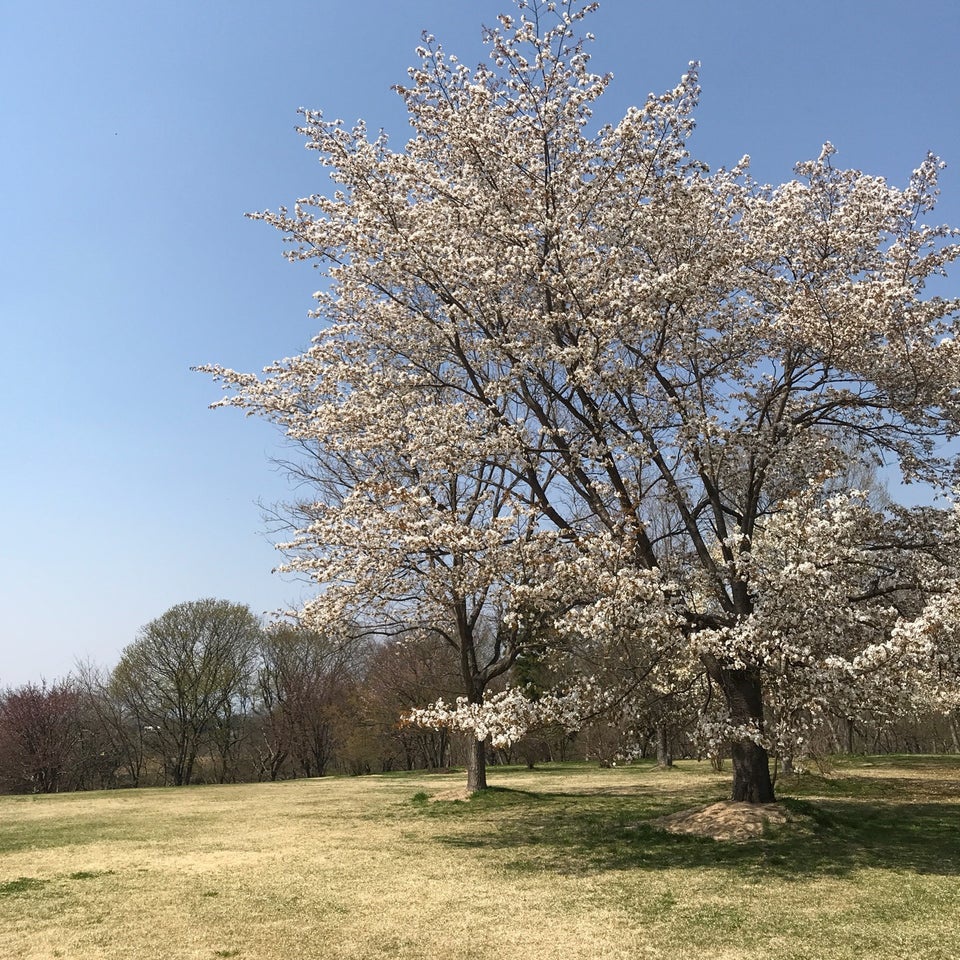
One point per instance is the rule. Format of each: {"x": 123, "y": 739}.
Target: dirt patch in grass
{"x": 729, "y": 820}
{"x": 457, "y": 793}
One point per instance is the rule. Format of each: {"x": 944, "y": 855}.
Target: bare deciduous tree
{"x": 183, "y": 675}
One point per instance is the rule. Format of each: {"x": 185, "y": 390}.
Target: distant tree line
{"x": 206, "y": 693}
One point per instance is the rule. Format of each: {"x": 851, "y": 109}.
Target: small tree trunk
{"x": 476, "y": 765}
{"x": 664, "y": 756}
{"x": 751, "y": 763}
{"x": 835, "y": 745}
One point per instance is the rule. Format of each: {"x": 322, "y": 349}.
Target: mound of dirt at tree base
{"x": 729, "y": 820}
{"x": 456, "y": 793}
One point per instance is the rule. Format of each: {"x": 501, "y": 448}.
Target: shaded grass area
{"x": 576, "y": 833}
{"x": 879, "y": 865}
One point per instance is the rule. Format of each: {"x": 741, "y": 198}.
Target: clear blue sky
{"x": 133, "y": 138}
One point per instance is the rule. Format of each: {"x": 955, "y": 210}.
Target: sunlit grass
{"x": 560, "y": 862}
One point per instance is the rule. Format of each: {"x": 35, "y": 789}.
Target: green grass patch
{"x": 21, "y": 885}
{"x": 90, "y": 874}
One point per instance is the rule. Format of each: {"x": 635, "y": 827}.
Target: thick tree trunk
{"x": 664, "y": 756}
{"x": 751, "y": 773}
{"x": 751, "y": 763}
{"x": 476, "y": 764}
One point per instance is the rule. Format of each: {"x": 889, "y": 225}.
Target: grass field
{"x": 561, "y": 862}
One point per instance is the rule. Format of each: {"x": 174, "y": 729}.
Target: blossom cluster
{"x": 501, "y": 718}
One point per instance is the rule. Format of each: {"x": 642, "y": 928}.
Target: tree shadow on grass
{"x": 575, "y": 833}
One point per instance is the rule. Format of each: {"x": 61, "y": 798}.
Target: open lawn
{"x": 560, "y": 862}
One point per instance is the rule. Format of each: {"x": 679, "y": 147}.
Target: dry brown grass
{"x": 562, "y": 864}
